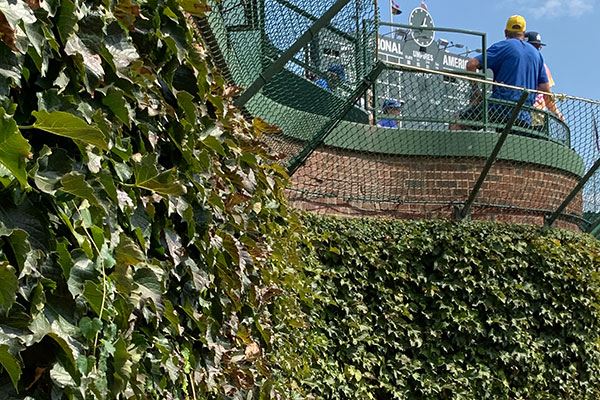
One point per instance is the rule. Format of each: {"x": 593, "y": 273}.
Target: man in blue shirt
{"x": 516, "y": 63}
{"x": 392, "y": 108}
{"x": 336, "y": 73}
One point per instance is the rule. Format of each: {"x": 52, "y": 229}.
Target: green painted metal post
{"x": 463, "y": 212}
{"x": 484, "y": 91}
{"x": 549, "y": 220}
{"x": 374, "y": 101}
{"x": 264, "y": 49}
{"x": 357, "y": 43}
{"x": 278, "y": 65}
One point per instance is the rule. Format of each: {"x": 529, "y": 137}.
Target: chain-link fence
{"x": 366, "y": 137}
{"x": 316, "y": 87}
{"x": 429, "y": 150}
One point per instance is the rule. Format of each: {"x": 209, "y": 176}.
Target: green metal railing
{"x": 310, "y": 68}
{"x": 452, "y": 93}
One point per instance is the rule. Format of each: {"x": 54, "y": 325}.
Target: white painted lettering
{"x": 391, "y": 47}
{"x": 455, "y": 62}
{"x": 424, "y": 56}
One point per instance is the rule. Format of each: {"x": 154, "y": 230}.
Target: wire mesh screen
{"x": 414, "y": 142}
{"x": 311, "y": 93}
{"x": 431, "y": 137}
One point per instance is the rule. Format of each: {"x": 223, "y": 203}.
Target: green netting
{"x": 425, "y": 161}
{"x": 310, "y": 94}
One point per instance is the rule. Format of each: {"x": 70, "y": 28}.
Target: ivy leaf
{"x": 115, "y": 101}
{"x": 19, "y": 241}
{"x": 128, "y": 252}
{"x": 142, "y": 225}
{"x": 195, "y": 7}
{"x": 82, "y": 271}
{"x": 63, "y": 257}
{"x": 8, "y": 288}
{"x": 214, "y": 144}
{"x": 53, "y": 165}
{"x": 54, "y": 100}
{"x": 15, "y": 12}
{"x": 108, "y": 184}
{"x": 126, "y": 12}
{"x": 186, "y": 101}
{"x": 10, "y": 364}
{"x": 61, "y": 377}
{"x": 67, "y": 125}
{"x": 119, "y": 46}
{"x": 148, "y": 177}
{"x": 67, "y": 20}
{"x": 174, "y": 245}
{"x": 171, "y": 315}
{"x": 75, "y": 184}
{"x": 89, "y": 327}
{"x": 95, "y": 296}
{"x": 90, "y": 30}
{"x": 36, "y": 37}
{"x": 148, "y": 284}
{"x": 85, "y": 364}
{"x": 29, "y": 219}
{"x": 48, "y": 34}
{"x": 52, "y": 323}
{"x": 14, "y": 149}
{"x": 122, "y": 363}
{"x": 10, "y": 68}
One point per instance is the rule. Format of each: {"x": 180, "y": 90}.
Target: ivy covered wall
{"x": 442, "y": 310}
{"x": 138, "y": 210}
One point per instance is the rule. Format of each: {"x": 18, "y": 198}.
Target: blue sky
{"x": 570, "y": 28}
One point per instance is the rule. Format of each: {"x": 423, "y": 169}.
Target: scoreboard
{"x": 407, "y": 52}
{"x": 418, "y": 47}
{"x": 426, "y": 96}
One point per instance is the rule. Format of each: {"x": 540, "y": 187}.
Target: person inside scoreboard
{"x": 336, "y": 74}
{"x": 392, "y": 108}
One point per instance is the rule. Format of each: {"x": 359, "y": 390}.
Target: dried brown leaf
{"x": 252, "y": 352}
{"x": 7, "y": 33}
{"x": 33, "y": 4}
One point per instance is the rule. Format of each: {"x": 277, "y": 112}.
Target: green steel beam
{"x": 276, "y": 67}
{"x": 435, "y": 28}
{"x": 318, "y": 139}
{"x": 549, "y": 220}
{"x": 466, "y": 209}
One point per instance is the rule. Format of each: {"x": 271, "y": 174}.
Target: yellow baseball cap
{"x": 516, "y": 23}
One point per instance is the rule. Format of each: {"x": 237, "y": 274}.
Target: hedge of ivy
{"x": 137, "y": 210}
{"x": 441, "y": 310}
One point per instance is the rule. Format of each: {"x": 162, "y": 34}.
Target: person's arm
{"x": 549, "y": 100}
{"x": 472, "y": 66}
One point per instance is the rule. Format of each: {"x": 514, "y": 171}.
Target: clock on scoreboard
{"x": 421, "y": 17}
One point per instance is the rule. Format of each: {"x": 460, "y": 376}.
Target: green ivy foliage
{"x": 442, "y": 310}
{"x": 139, "y": 212}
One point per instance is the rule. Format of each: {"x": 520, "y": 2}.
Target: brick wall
{"x": 367, "y": 184}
